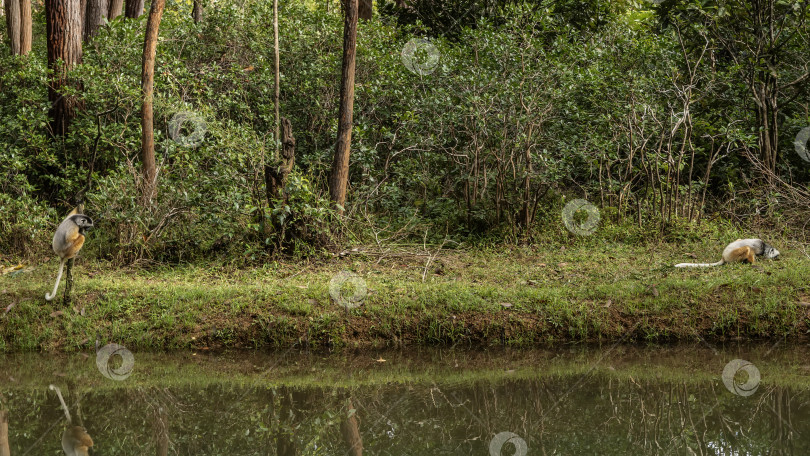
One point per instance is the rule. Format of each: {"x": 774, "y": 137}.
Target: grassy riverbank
{"x": 507, "y": 296}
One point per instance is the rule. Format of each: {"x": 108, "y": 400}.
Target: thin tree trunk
{"x": 26, "y": 33}
{"x": 64, "y": 35}
{"x": 275, "y": 174}
{"x": 13, "y": 24}
{"x": 526, "y": 212}
{"x": 115, "y": 9}
{"x": 134, "y": 8}
{"x": 338, "y": 180}
{"x": 95, "y": 16}
{"x": 277, "y": 80}
{"x": 197, "y": 11}
{"x": 67, "y": 298}
{"x": 5, "y": 450}
{"x": 147, "y": 85}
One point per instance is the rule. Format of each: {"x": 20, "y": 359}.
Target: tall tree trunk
{"x": 147, "y": 85}
{"x": 364, "y": 9}
{"x": 338, "y": 180}
{"x": 5, "y": 450}
{"x": 115, "y": 9}
{"x": 95, "y": 16}
{"x": 134, "y": 8}
{"x": 64, "y": 35}
{"x": 13, "y": 24}
{"x": 197, "y": 11}
{"x": 26, "y": 30}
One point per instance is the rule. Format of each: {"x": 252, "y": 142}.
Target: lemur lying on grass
{"x": 739, "y": 250}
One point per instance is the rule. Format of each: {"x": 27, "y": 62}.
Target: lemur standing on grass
{"x": 68, "y": 240}
{"x": 739, "y": 250}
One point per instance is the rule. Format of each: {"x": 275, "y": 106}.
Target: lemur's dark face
{"x": 770, "y": 252}
{"x": 84, "y": 222}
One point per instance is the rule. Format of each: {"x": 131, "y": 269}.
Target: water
{"x": 595, "y": 401}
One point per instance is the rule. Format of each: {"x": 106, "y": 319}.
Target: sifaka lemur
{"x": 68, "y": 240}
{"x": 739, "y": 250}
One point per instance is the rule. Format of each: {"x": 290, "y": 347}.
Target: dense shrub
{"x": 521, "y": 109}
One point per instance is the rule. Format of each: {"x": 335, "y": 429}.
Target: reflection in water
{"x": 4, "y": 448}
{"x": 75, "y": 440}
{"x": 635, "y": 401}
{"x": 350, "y": 428}
{"x": 161, "y": 420}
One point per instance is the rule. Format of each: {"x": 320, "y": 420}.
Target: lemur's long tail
{"x": 699, "y": 265}
{"x": 49, "y": 297}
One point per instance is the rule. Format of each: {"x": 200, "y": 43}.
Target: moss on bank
{"x": 508, "y": 296}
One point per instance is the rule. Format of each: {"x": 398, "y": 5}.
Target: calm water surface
{"x": 685, "y": 400}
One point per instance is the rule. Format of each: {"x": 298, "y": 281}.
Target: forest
{"x": 395, "y": 227}
{"x": 473, "y": 122}
{"x": 434, "y": 146}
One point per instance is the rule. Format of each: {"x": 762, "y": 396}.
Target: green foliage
{"x": 527, "y": 103}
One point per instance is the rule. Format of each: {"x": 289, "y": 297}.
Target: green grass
{"x": 514, "y": 296}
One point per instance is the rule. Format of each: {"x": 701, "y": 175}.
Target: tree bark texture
{"x": 12, "y": 8}
{"x": 275, "y": 174}
{"x": 339, "y": 177}
{"x": 94, "y": 17}
{"x": 115, "y": 9}
{"x": 134, "y": 8}
{"x": 26, "y": 27}
{"x": 148, "y": 86}
{"x": 64, "y": 35}
{"x": 197, "y": 11}
{"x": 365, "y": 9}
